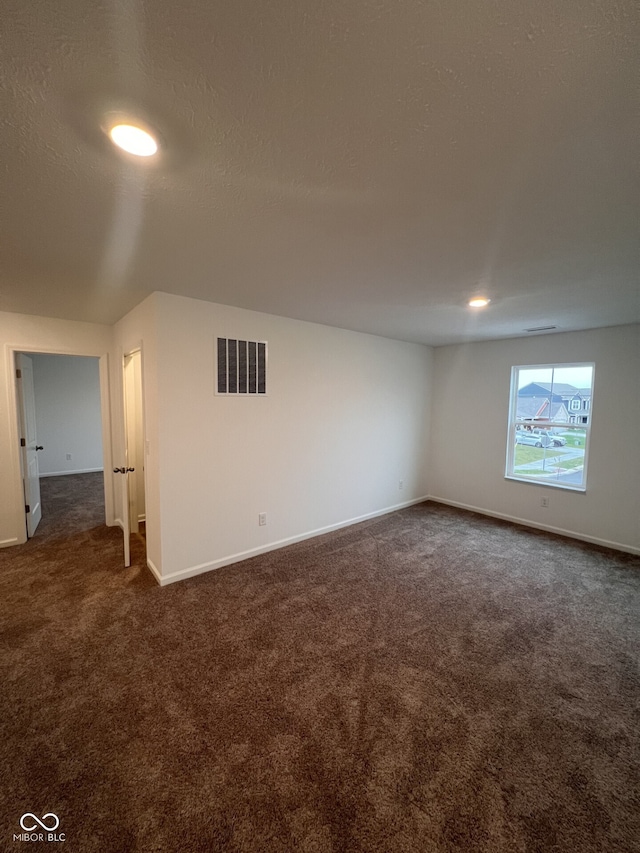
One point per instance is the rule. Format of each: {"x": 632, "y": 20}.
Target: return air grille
{"x": 242, "y": 367}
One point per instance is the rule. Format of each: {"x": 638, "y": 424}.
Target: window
{"x": 546, "y": 443}
{"x": 241, "y": 367}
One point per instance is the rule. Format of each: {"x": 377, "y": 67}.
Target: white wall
{"x": 469, "y": 430}
{"x": 346, "y": 418}
{"x": 68, "y": 417}
{"x": 36, "y": 334}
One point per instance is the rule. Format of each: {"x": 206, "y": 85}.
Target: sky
{"x": 580, "y": 377}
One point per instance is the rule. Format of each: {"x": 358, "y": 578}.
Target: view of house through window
{"x": 549, "y": 422}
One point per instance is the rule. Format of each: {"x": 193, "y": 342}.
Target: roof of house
{"x": 564, "y": 389}
{"x": 538, "y": 407}
{"x": 538, "y": 389}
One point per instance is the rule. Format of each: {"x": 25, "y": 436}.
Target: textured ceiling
{"x": 369, "y": 164}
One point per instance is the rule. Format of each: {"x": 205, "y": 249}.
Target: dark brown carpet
{"x": 71, "y": 504}
{"x": 428, "y": 681}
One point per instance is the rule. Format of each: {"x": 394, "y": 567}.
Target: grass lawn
{"x": 562, "y": 465}
{"x": 574, "y": 437}
{"x": 572, "y": 463}
{"x": 525, "y": 454}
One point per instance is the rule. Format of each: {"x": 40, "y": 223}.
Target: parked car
{"x": 539, "y": 438}
{"x": 559, "y": 441}
{"x": 526, "y": 436}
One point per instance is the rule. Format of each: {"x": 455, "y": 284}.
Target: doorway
{"x": 134, "y": 506}
{"x": 60, "y": 423}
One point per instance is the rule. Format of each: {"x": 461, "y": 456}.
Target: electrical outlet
{"x": 544, "y": 501}
{"x": 262, "y": 518}
{"x": 400, "y": 485}
{"x": 68, "y": 457}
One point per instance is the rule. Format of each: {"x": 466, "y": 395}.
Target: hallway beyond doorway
{"x": 71, "y": 504}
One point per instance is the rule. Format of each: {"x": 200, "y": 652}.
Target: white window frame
{"x": 513, "y": 422}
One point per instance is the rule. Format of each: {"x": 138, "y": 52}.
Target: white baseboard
{"x": 202, "y": 568}
{"x": 192, "y": 571}
{"x": 117, "y": 522}
{"x": 5, "y": 543}
{"x": 154, "y": 571}
{"x": 79, "y": 471}
{"x": 548, "y": 528}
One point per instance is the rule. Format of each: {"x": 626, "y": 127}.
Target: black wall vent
{"x": 242, "y": 367}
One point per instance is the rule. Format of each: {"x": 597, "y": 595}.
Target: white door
{"x": 124, "y": 511}
{"x": 121, "y": 484}
{"x": 134, "y": 439}
{"x": 131, "y": 475}
{"x": 28, "y": 441}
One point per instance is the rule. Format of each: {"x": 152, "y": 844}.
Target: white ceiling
{"x": 369, "y": 164}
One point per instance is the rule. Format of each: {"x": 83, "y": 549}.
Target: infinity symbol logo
{"x": 40, "y": 821}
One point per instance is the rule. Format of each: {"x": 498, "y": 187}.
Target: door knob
{"x": 119, "y": 470}
{"x": 131, "y": 469}
{"x": 39, "y": 447}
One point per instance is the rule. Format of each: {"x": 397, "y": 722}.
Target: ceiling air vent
{"x": 241, "y": 367}
{"x": 542, "y": 329}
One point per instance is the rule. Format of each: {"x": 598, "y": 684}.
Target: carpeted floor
{"x": 428, "y": 681}
{"x": 71, "y": 504}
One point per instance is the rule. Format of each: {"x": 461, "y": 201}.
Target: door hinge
{"x": 27, "y": 508}
{"x": 23, "y": 442}
{"x": 18, "y": 373}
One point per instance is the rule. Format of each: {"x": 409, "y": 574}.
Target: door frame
{"x": 123, "y": 510}
{"x": 25, "y": 390}
{"x": 14, "y": 420}
{"x": 126, "y": 360}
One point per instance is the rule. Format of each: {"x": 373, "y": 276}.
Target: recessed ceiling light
{"x": 133, "y": 139}
{"x": 479, "y": 302}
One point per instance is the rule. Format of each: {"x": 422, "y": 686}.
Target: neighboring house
{"x": 542, "y": 409}
{"x": 576, "y": 401}
{"x": 580, "y": 405}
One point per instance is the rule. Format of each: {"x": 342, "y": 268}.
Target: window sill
{"x": 547, "y": 484}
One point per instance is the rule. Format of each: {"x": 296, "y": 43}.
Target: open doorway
{"x": 134, "y": 480}
{"x": 62, "y": 450}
